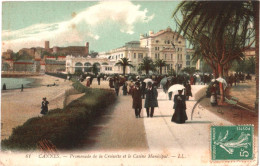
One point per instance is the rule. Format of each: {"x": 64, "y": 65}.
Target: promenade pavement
{"x": 180, "y": 144}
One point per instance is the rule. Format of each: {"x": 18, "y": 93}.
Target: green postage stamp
{"x": 232, "y": 142}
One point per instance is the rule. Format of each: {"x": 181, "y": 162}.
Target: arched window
{"x": 87, "y": 67}
{"x": 78, "y": 66}
{"x": 98, "y": 66}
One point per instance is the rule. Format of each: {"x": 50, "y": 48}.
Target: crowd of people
{"x": 139, "y": 89}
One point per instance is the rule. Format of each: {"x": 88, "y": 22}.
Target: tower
{"x": 87, "y": 48}
{"x": 46, "y": 44}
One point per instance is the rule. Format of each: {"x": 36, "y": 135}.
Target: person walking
{"x": 98, "y": 79}
{"x": 44, "y": 108}
{"x": 22, "y": 88}
{"x": 116, "y": 86}
{"x": 4, "y": 87}
{"x": 187, "y": 90}
{"x": 143, "y": 87}
{"x": 137, "y": 99}
{"x": 179, "y": 115}
{"x": 150, "y": 99}
{"x": 88, "y": 82}
{"x": 124, "y": 88}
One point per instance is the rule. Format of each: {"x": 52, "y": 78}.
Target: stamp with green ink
{"x": 232, "y": 142}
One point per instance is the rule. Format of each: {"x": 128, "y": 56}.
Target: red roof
{"x": 24, "y": 63}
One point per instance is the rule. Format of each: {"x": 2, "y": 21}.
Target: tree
{"x": 94, "y": 68}
{"x": 171, "y": 72}
{"x": 93, "y": 54}
{"x": 147, "y": 65}
{"x": 190, "y": 70}
{"x": 160, "y": 63}
{"x": 124, "y": 62}
{"x": 45, "y": 53}
{"x": 15, "y": 56}
{"x": 219, "y": 28}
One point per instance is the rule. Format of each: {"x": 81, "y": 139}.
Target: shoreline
{"x": 17, "y": 107}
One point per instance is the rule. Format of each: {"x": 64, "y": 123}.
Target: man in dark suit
{"x": 137, "y": 99}
{"x": 150, "y": 99}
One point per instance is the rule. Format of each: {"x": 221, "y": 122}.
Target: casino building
{"x": 165, "y": 44}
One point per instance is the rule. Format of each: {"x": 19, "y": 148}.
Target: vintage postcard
{"x": 129, "y": 83}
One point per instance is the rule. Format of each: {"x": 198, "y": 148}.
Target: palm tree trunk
{"x": 160, "y": 70}
{"x": 256, "y": 26}
{"x": 124, "y": 70}
{"x": 147, "y": 71}
{"x": 221, "y": 87}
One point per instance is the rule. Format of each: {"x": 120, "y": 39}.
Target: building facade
{"x": 84, "y": 64}
{"x": 166, "y": 45}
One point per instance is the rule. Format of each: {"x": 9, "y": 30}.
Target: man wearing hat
{"x": 150, "y": 99}
{"x": 137, "y": 99}
{"x": 44, "y": 106}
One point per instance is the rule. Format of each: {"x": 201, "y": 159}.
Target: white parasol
{"x": 176, "y": 87}
{"x": 148, "y": 80}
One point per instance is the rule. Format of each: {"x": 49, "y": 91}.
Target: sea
{"x": 16, "y": 83}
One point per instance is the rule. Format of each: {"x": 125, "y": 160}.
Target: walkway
{"x": 169, "y": 143}
{"x": 118, "y": 129}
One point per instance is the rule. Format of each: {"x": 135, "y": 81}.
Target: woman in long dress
{"x": 179, "y": 115}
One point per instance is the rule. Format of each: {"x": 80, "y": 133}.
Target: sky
{"x": 105, "y": 25}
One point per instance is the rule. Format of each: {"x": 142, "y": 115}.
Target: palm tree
{"x": 225, "y": 23}
{"x": 160, "y": 63}
{"x": 124, "y": 62}
{"x": 147, "y": 65}
{"x": 94, "y": 68}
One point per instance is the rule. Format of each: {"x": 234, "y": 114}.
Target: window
{"x": 187, "y": 57}
{"x": 134, "y": 55}
{"x": 165, "y": 56}
{"x": 140, "y": 55}
{"x": 180, "y": 57}
{"x": 168, "y": 42}
{"x": 157, "y": 41}
{"x": 171, "y": 56}
{"x": 188, "y": 63}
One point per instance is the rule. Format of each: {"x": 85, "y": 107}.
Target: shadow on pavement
{"x": 161, "y": 116}
{"x": 194, "y": 121}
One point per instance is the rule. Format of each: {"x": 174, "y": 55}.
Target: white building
{"x": 165, "y": 44}
{"x": 84, "y": 64}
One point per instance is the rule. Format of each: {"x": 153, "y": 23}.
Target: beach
{"x": 17, "y": 107}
